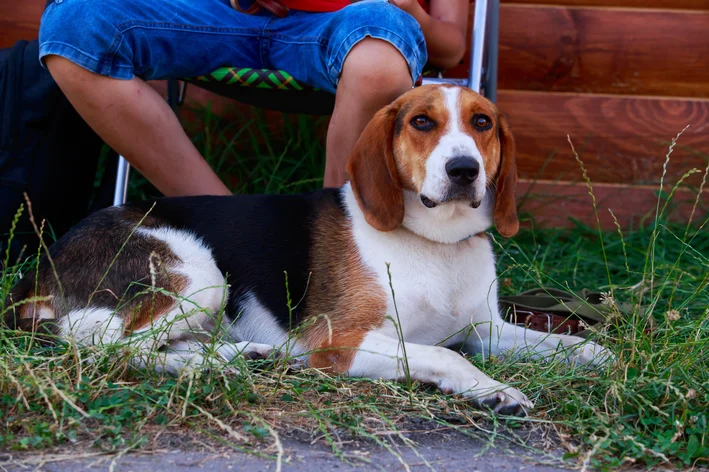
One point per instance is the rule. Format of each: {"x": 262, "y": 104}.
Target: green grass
{"x": 650, "y": 407}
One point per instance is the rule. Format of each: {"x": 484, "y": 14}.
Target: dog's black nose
{"x": 462, "y": 170}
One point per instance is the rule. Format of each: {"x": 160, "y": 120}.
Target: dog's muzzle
{"x": 462, "y": 171}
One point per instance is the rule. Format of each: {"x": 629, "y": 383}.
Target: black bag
{"x": 46, "y": 150}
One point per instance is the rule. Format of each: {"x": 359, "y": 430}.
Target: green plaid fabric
{"x": 259, "y": 78}
{"x": 262, "y": 78}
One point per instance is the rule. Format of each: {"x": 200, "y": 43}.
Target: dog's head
{"x": 441, "y": 161}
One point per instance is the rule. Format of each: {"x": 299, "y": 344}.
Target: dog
{"x": 375, "y": 279}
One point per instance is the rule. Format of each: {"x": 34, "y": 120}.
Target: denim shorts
{"x": 160, "y": 39}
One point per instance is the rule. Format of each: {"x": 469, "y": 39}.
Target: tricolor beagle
{"x": 396, "y": 261}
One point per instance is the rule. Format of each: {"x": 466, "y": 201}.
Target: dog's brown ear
{"x": 505, "y": 217}
{"x": 373, "y": 174}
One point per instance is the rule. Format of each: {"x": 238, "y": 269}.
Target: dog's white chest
{"x": 436, "y": 287}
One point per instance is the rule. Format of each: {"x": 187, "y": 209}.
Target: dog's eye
{"x": 482, "y": 122}
{"x": 422, "y": 123}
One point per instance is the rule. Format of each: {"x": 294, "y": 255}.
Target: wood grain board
{"x": 19, "y": 19}
{"x": 548, "y": 203}
{"x": 597, "y": 50}
{"x": 619, "y": 138}
{"x": 676, "y": 4}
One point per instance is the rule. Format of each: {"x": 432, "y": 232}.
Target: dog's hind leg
{"x": 157, "y": 295}
{"x": 193, "y": 356}
{"x": 190, "y": 335}
{"x": 188, "y": 332}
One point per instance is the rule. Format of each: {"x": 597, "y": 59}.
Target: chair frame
{"x": 482, "y": 76}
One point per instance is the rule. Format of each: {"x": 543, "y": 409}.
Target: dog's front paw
{"x": 504, "y": 400}
{"x": 590, "y": 354}
{"x": 573, "y": 349}
{"x": 493, "y": 395}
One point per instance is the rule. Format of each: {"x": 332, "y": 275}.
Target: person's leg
{"x": 95, "y": 51}
{"x": 132, "y": 118}
{"x": 368, "y": 53}
{"x": 374, "y": 74}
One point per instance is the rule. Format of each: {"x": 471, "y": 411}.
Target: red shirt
{"x": 327, "y": 5}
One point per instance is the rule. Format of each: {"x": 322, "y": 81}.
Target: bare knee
{"x": 71, "y": 77}
{"x": 62, "y": 68}
{"x": 376, "y": 69}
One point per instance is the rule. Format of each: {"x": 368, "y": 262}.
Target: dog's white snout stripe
{"x": 454, "y": 143}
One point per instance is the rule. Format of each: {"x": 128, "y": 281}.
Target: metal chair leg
{"x": 121, "y": 189}
{"x": 483, "y": 51}
{"x": 181, "y": 93}
{"x": 477, "y": 46}
{"x": 172, "y": 93}
{"x": 492, "y": 42}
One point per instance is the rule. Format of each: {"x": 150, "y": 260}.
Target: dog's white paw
{"x": 247, "y": 350}
{"x": 589, "y": 353}
{"x": 181, "y": 365}
{"x": 504, "y": 400}
{"x": 488, "y": 393}
{"x": 575, "y": 350}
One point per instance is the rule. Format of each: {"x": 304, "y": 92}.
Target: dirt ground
{"x": 439, "y": 452}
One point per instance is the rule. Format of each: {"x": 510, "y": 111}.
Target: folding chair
{"x": 278, "y": 90}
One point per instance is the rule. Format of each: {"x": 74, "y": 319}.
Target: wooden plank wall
{"x": 655, "y": 4}
{"x": 621, "y": 78}
{"x": 19, "y": 20}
